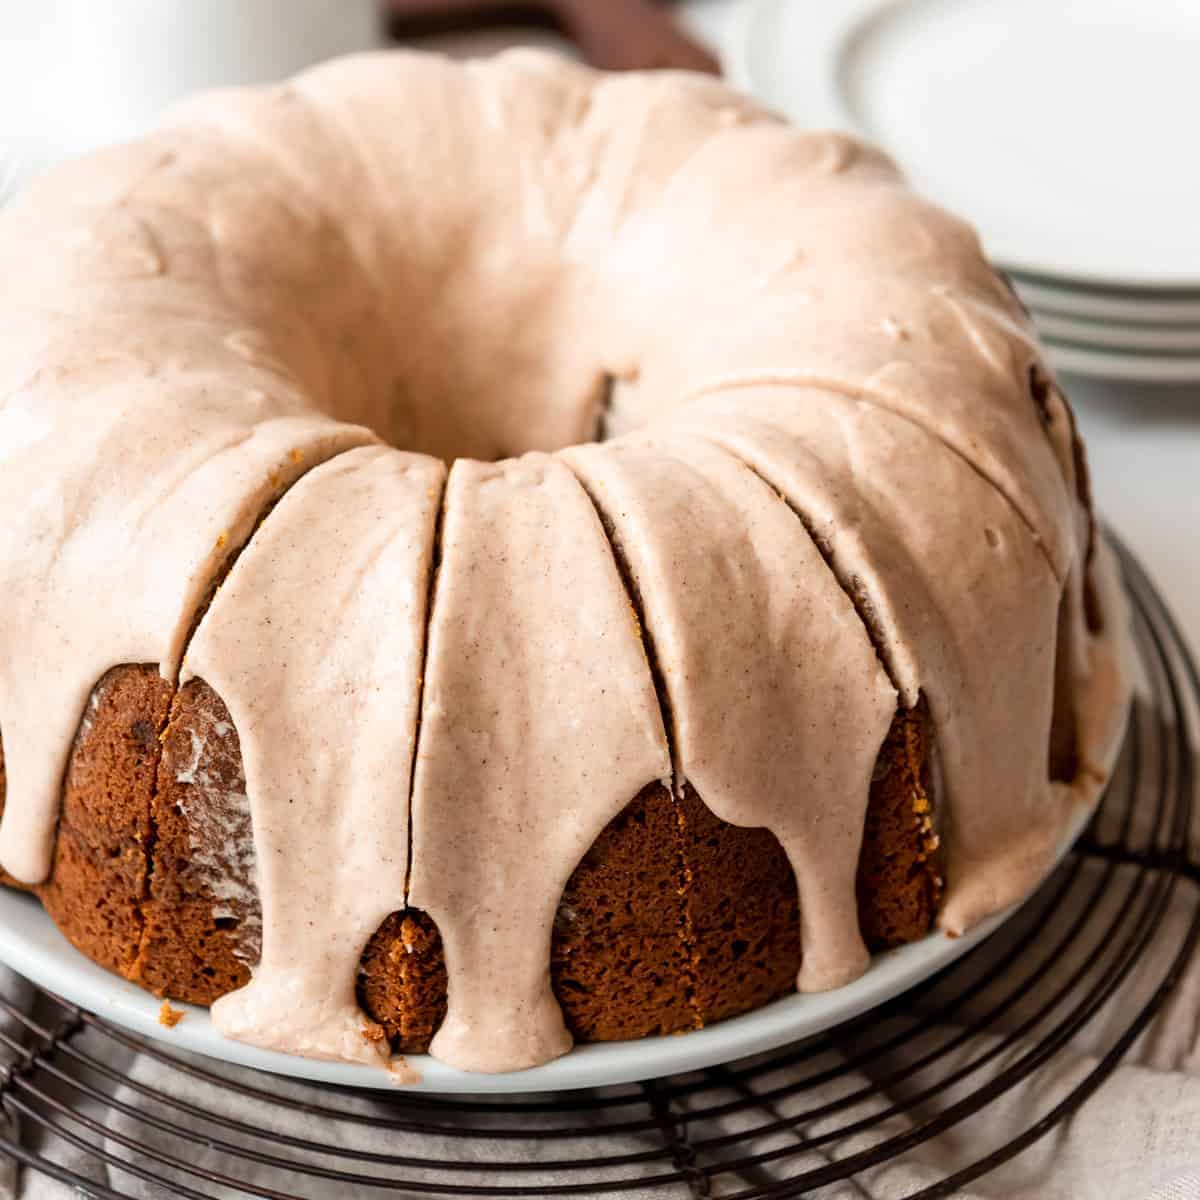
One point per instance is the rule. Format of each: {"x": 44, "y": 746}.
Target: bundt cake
{"x": 499, "y": 554}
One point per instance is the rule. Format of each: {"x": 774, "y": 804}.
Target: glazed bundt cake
{"x": 500, "y": 554}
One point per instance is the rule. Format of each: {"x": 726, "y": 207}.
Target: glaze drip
{"x": 529, "y": 619}
{"x": 341, "y": 696}
{"x": 746, "y": 619}
{"x": 968, "y": 613}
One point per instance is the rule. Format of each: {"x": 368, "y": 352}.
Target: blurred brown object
{"x": 619, "y": 35}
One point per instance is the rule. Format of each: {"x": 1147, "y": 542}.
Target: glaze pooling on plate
{"x": 235, "y": 356}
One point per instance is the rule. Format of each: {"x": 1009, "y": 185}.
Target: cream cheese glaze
{"x": 327, "y": 709}
{"x": 965, "y": 611}
{"x": 833, "y": 482}
{"x": 539, "y": 723}
{"x": 744, "y": 617}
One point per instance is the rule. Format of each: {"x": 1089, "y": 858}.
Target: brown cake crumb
{"x": 169, "y": 1017}
{"x": 401, "y": 1073}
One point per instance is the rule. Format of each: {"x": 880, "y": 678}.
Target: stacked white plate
{"x": 1065, "y": 129}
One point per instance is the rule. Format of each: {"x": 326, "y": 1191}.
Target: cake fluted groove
{"x": 222, "y": 573}
{"x": 968, "y": 604}
{"x": 862, "y": 606}
{"x": 235, "y": 550}
{"x": 864, "y": 394}
{"x": 40, "y": 734}
{"x": 529, "y": 619}
{"x": 151, "y": 848}
{"x": 857, "y": 592}
{"x": 1063, "y": 431}
{"x": 673, "y": 784}
{"x": 336, "y": 686}
{"x": 764, "y": 661}
{"x": 435, "y": 570}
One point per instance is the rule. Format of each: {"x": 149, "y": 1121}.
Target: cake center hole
{"x": 527, "y": 409}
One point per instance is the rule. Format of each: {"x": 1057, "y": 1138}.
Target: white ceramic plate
{"x": 1065, "y": 129}
{"x": 1077, "y": 359}
{"x": 1120, "y": 339}
{"x": 31, "y": 944}
{"x": 1118, "y": 307}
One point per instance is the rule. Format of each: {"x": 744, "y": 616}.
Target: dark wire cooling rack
{"x": 1093, "y": 941}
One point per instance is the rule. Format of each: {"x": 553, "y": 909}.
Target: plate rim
{"x": 1092, "y": 363}
{"x": 1083, "y": 303}
{"x": 1168, "y": 342}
